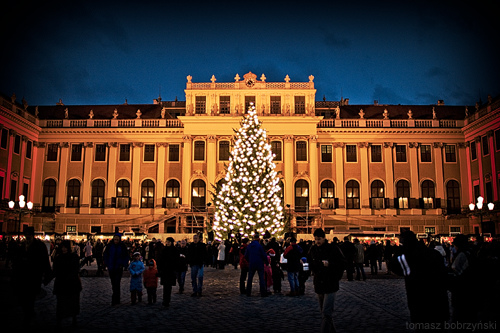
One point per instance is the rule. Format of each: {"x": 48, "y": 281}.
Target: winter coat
{"x": 243, "y": 260}
{"x": 136, "y": 268}
{"x": 255, "y": 255}
{"x": 222, "y": 252}
{"x": 88, "y": 250}
{"x": 359, "y": 255}
{"x": 150, "y": 276}
{"x": 66, "y": 272}
{"x": 293, "y": 253}
{"x": 116, "y": 256}
{"x": 196, "y": 253}
{"x": 182, "y": 265}
{"x": 326, "y": 278}
{"x": 167, "y": 265}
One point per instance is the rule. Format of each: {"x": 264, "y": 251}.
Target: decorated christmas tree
{"x": 248, "y": 202}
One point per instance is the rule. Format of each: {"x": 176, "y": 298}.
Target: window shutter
{"x": 113, "y": 202}
{"x": 163, "y": 202}
{"x": 437, "y": 202}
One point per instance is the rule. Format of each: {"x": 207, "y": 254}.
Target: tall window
{"x": 485, "y": 145}
{"x": 98, "y": 187}
{"x": 403, "y": 194}
{"x": 275, "y": 105}
{"x": 100, "y": 152}
{"x": 376, "y": 151}
{"x": 125, "y": 152}
{"x": 248, "y": 100}
{"x": 225, "y": 104}
{"x": 326, "y": 153}
{"x": 327, "y": 195}
{"x": 352, "y": 194}
{"x": 300, "y": 104}
{"x": 173, "y": 189}
{"x": 450, "y": 154}
{"x": 52, "y": 150}
{"x": 199, "y": 150}
{"x": 301, "y": 150}
{"x": 400, "y": 153}
{"x": 377, "y": 195}
{"x": 201, "y": 105}
{"x": 301, "y": 195}
{"x": 223, "y": 150}
{"x": 29, "y": 149}
{"x": 428, "y": 194}
{"x": 122, "y": 194}
{"x": 351, "y": 153}
{"x": 73, "y": 196}
{"x": 198, "y": 195}
{"x": 453, "y": 197}
{"x": 4, "y": 138}
{"x": 13, "y": 190}
{"x": 173, "y": 153}
{"x": 425, "y": 153}
{"x": 149, "y": 153}
{"x": 76, "y": 152}
{"x": 49, "y": 196}
{"x": 497, "y": 139}
{"x": 2, "y": 180}
{"x": 473, "y": 151}
{"x": 148, "y": 194}
{"x": 276, "y": 150}
{"x": 17, "y": 144}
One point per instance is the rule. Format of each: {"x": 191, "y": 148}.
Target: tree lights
{"x": 249, "y": 202}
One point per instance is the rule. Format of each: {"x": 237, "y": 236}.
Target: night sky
{"x": 396, "y": 52}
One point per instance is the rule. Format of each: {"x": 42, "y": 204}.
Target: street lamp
{"x": 479, "y": 206}
{"x": 23, "y": 208}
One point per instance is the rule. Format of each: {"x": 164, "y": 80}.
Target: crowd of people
{"x": 430, "y": 270}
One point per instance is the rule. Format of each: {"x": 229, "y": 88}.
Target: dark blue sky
{"x": 396, "y": 52}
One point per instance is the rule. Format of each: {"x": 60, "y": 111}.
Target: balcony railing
{"x": 394, "y": 123}
{"x": 107, "y": 123}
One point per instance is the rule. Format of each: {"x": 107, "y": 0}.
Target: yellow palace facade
{"x": 350, "y": 169}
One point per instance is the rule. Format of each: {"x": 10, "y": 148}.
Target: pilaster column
{"x": 389, "y": 172}
{"x": 288, "y": 166}
{"x": 365, "y": 177}
{"x": 414, "y": 178}
{"x": 464, "y": 175}
{"x": 339, "y": 172}
{"x": 136, "y": 174}
{"x": 186, "y": 169}
{"x": 111, "y": 184}
{"x": 22, "y": 158}
{"x": 493, "y": 166}
{"x": 469, "y": 174}
{"x": 313, "y": 171}
{"x": 160, "y": 173}
{"x": 63, "y": 175}
{"x": 479, "y": 150}
{"x": 10, "y": 152}
{"x": 88, "y": 154}
{"x": 438, "y": 162}
{"x": 211, "y": 162}
{"x": 39, "y": 149}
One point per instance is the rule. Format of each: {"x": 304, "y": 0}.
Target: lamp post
{"x": 23, "y": 207}
{"x": 479, "y": 206}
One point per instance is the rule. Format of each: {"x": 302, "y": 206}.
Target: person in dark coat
{"x": 349, "y": 252}
{"x": 257, "y": 258}
{"x": 197, "y": 252}
{"x": 373, "y": 253}
{"x": 293, "y": 253}
{"x": 67, "y": 284}
{"x": 182, "y": 265}
{"x": 168, "y": 263}
{"x": 98, "y": 252}
{"x": 243, "y": 265}
{"x": 30, "y": 267}
{"x": 116, "y": 258}
{"x": 327, "y": 264}
{"x": 275, "y": 265}
{"x": 425, "y": 274}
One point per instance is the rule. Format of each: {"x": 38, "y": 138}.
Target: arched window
{"x": 173, "y": 190}
{"x": 377, "y": 195}
{"x": 301, "y": 196}
{"x": 327, "y": 194}
{"x": 403, "y": 194}
{"x": 352, "y": 194}
{"x": 73, "y": 196}
{"x": 198, "y": 198}
{"x": 98, "y": 187}
{"x": 49, "y": 196}
{"x": 428, "y": 194}
{"x": 148, "y": 194}
{"x": 122, "y": 194}
{"x": 453, "y": 197}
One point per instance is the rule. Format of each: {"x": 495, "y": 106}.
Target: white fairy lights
{"x": 249, "y": 201}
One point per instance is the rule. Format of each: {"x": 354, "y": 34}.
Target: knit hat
{"x": 137, "y": 254}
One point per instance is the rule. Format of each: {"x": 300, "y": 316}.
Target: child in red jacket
{"x": 150, "y": 276}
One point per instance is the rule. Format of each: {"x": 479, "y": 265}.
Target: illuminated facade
{"x": 351, "y": 169}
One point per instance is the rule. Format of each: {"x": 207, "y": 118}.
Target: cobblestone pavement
{"x": 377, "y": 304}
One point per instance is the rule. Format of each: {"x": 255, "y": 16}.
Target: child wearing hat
{"x": 151, "y": 281}
{"x": 136, "y": 268}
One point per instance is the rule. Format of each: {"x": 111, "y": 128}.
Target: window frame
{"x": 301, "y": 152}
{"x": 200, "y": 104}
{"x": 350, "y": 154}
{"x": 353, "y": 202}
{"x": 126, "y": 151}
{"x": 299, "y": 104}
{"x": 17, "y": 144}
{"x": 223, "y": 151}
{"x": 426, "y": 153}
{"x": 485, "y": 144}
{"x": 275, "y": 104}
{"x": 149, "y": 154}
{"x": 274, "y": 149}
{"x": 224, "y": 104}
{"x": 73, "y": 201}
{"x": 170, "y": 146}
{"x": 401, "y": 153}
{"x": 379, "y": 153}
{"x": 97, "y": 153}
{"x": 147, "y": 201}
{"x": 473, "y": 150}
{"x": 403, "y": 200}
{"x": 428, "y": 194}
{"x": 323, "y": 154}
{"x": 327, "y": 201}
{"x": 98, "y": 193}
{"x": 449, "y": 154}
{"x": 75, "y": 153}
{"x": 52, "y": 152}
{"x": 122, "y": 201}
{"x": 29, "y": 149}
{"x": 4, "y": 138}
{"x": 198, "y": 150}
{"x": 377, "y": 201}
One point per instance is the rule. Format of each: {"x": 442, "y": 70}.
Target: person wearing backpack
{"x": 327, "y": 264}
